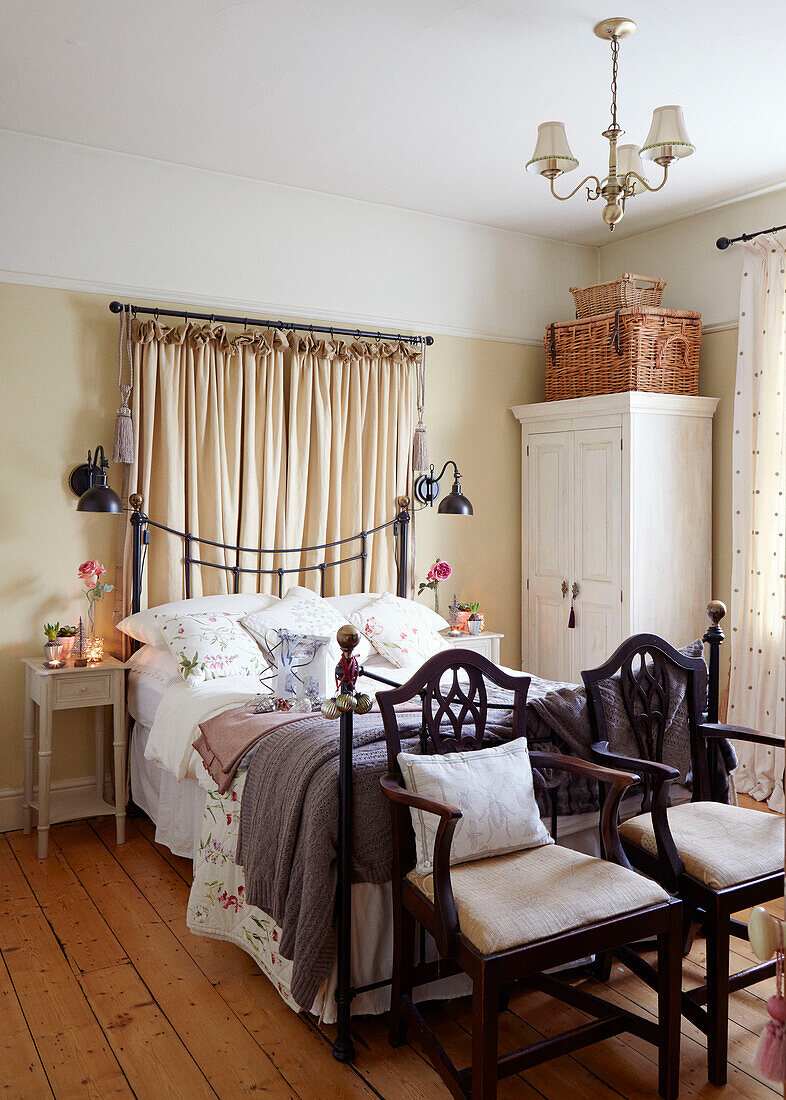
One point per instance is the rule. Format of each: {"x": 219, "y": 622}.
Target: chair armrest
{"x": 577, "y": 766}
{"x": 661, "y": 776}
{"x": 616, "y": 782}
{"x": 446, "y": 914}
{"x": 739, "y": 733}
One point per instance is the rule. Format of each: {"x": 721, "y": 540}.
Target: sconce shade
{"x": 99, "y": 498}
{"x": 456, "y": 504}
{"x": 668, "y": 136}
{"x": 629, "y": 160}
{"x": 552, "y": 152}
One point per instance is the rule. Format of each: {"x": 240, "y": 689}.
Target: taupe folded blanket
{"x": 226, "y": 739}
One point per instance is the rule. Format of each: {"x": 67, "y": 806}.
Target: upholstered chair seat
{"x": 719, "y": 845}
{"x": 509, "y": 900}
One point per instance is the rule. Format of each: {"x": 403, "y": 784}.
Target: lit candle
{"x": 95, "y": 651}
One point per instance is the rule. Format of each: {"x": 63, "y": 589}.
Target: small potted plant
{"x": 464, "y": 610}
{"x": 66, "y": 636}
{"x": 52, "y": 649}
{"x": 475, "y": 620}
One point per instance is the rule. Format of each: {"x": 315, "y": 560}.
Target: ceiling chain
{"x": 615, "y": 49}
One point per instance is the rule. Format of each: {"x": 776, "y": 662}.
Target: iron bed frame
{"x": 343, "y": 1046}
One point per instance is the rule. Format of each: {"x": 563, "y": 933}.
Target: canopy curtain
{"x": 757, "y": 688}
{"x": 266, "y": 440}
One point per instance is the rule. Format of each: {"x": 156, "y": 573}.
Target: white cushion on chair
{"x": 719, "y": 845}
{"x": 510, "y": 900}
{"x": 493, "y": 788}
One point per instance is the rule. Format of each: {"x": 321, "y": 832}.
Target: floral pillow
{"x": 300, "y": 612}
{"x": 397, "y": 635}
{"x": 211, "y": 645}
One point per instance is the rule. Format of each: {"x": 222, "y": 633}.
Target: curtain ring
{"x": 156, "y": 313}
{"x": 212, "y": 318}
{"x": 245, "y": 324}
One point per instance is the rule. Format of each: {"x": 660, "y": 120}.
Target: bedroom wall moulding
{"x": 666, "y": 142}
{"x": 285, "y": 326}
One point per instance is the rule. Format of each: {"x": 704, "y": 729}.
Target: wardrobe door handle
{"x": 564, "y": 589}
{"x": 575, "y": 589}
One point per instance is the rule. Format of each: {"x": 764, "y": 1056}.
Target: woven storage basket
{"x": 618, "y": 294}
{"x": 656, "y": 350}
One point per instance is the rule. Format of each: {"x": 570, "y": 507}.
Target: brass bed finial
{"x": 715, "y": 611}
{"x": 135, "y": 500}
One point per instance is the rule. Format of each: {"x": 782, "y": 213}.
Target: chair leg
{"x": 669, "y": 1006}
{"x": 717, "y": 997}
{"x": 403, "y": 956}
{"x": 485, "y": 1009}
{"x": 601, "y": 967}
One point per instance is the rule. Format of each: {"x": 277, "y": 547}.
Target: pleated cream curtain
{"x": 349, "y": 453}
{"x": 757, "y": 690}
{"x": 264, "y": 440}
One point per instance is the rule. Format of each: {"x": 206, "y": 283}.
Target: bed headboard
{"x": 356, "y": 550}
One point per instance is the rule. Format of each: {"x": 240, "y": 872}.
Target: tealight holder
{"x": 95, "y": 651}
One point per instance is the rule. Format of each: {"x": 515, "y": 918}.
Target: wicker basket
{"x": 656, "y": 350}
{"x": 618, "y": 294}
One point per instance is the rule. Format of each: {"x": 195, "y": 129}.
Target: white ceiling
{"x": 430, "y": 105}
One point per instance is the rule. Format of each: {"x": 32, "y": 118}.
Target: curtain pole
{"x": 287, "y": 326}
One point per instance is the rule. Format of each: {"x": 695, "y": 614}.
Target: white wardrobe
{"x": 617, "y": 516}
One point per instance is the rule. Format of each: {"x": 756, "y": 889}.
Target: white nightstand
{"x": 487, "y": 643}
{"x": 99, "y": 686}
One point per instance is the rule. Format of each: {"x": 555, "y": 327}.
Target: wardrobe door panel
{"x": 549, "y": 553}
{"x": 597, "y": 557}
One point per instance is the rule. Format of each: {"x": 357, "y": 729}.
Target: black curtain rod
{"x": 331, "y": 330}
{"x": 724, "y": 242}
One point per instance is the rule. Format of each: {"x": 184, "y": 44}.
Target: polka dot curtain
{"x": 757, "y": 690}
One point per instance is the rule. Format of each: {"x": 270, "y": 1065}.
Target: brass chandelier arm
{"x": 578, "y": 187}
{"x": 629, "y": 186}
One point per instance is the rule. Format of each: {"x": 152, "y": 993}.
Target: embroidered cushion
{"x": 397, "y": 635}
{"x": 301, "y": 612}
{"x": 357, "y": 601}
{"x": 493, "y": 789}
{"x": 143, "y": 626}
{"x": 211, "y": 645}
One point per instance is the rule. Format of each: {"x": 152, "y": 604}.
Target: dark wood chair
{"x": 717, "y": 858}
{"x": 487, "y": 916}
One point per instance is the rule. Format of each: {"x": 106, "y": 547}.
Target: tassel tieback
{"x": 123, "y": 450}
{"x": 770, "y": 1056}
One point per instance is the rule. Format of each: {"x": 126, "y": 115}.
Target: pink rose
{"x": 92, "y": 568}
{"x": 442, "y": 570}
{"x": 90, "y": 582}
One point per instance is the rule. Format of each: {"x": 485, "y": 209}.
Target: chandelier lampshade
{"x": 668, "y": 137}
{"x": 629, "y": 160}
{"x": 552, "y": 155}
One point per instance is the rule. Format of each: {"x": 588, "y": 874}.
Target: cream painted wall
{"x": 471, "y": 386}
{"x": 57, "y": 396}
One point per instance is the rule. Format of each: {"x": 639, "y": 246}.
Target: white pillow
{"x": 155, "y": 662}
{"x": 357, "y": 601}
{"x": 143, "y": 627}
{"x": 210, "y": 646}
{"x": 397, "y": 635}
{"x": 301, "y": 612}
{"x": 493, "y": 788}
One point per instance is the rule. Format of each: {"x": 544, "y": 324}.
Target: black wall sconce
{"x": 89, "y": 482}
{"x": 427, "y": 491}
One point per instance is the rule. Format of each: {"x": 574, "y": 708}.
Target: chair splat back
{"x": 453, "y": 688}
{"x": 647, "y": 670}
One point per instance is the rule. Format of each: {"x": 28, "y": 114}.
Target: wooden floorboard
{"x": 104, "y": 992}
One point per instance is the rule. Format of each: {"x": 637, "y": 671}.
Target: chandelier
{"x": 666, "y": 141}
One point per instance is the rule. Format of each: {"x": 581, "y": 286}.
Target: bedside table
{"x": 67, "y": 688}
{"x": 487, "y": 643}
